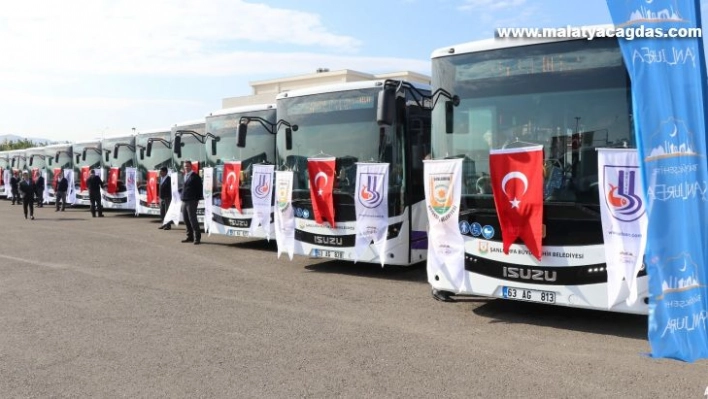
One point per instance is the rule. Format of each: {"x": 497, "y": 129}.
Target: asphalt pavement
{"x": 114, "y": 307}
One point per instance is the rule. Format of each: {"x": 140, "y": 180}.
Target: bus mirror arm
{"x": 451, "y": 102}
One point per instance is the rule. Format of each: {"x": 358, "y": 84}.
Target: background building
{"x": 265, "y": 91}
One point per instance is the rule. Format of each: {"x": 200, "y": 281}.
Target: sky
{"x": 74, "y": 70}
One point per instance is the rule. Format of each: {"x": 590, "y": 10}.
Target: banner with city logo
{"x": 624, "y": 221}
{"x": 262, "y": 198}
{"x": 371, "y": 207}
{"x": 668, "y": 83}
{"x": 443, "y": 189}
{"x": 284, "y": 217}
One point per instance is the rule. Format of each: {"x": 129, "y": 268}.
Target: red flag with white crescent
{"x": 84, "y": 178}
{"x": 35, "y": 174}
{"x": 195, "y": 167}
{"x": 112, "y": 185}
{"x": 517, "y": 184}
{"x": 152, "y": 187}
{"x": 321, "y": 173}
{"x": 55, "y": 180}
{"x": 229, "y": 186}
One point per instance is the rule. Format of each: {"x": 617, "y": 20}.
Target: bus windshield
{"x": 570, "y": 97}
{"x": 338, "y": 124}
{"x": 259, "y": 143}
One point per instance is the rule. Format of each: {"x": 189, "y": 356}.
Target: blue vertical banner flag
{"x": 668, "y": 99}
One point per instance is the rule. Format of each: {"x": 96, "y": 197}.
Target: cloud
{"x": 157, "y": 36}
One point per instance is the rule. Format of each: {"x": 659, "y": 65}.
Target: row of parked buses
{"x": 570, "y": 96}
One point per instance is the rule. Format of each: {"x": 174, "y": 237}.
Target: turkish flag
{"x": 55, "y": 179}
{"x": 35, "y": 174}
{"x": 517, "y": 184}
{"x": 321, "y": 171}
{"x": 152, "y": 187}
{"x": 195, "y": 167}
{"x": 112, "y": 185}
{"x": 84, "y": 177}
{"x": 229, "y": 185}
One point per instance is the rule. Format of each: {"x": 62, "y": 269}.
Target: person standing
{"x": 60, "y": 190}
{"x": 94, "y": 187}
{"x": 14, "y": 183}
{"x": 39, "y": 190}
{"x": 27, "y": 189}
{"x": 192, "y": 192}
{"x": 165, "y": 191}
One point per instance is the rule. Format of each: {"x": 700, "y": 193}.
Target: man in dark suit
{"x": 165, "y": 191}
{"x": 192, "y": 192}
{"x": 39, "y": 190}
{"x": 60, "y": 191}
{"x": 26, "y": 187}
{"x": 94, "y": 187}
{"x": 14, "y": 184}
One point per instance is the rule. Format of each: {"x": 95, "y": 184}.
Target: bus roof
{"x": 188, "y": 123}
{"x": 153, "y": 131}
{"x": 500, "y": 43}
{"x": 242, "y": 109}
{"x": 341, "y": 87}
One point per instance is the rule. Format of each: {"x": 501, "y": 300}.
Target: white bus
{"x": 57, "y": 157}
{"x": 118, "y": 154}
{"x": 88, "y": 155}
{"x": 571, "y": 96}
{"x": 188, "y": 144}
{"x": 342, "y": 121}
{"x": 4, "y": 166}
{"x": 256, "y": 144}
{"x": 153, "y": 151}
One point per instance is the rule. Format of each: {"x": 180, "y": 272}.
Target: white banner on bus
{"x": 624, "y": 220}
{"x": 284, "y": 215}
{"x": 261, "y": 195}
{"x": 174, "y": 212}
{"x": 131, "y": 187}
{"x": 208, "y": 190}
{"x": 371, "y": 205}
{"x": 71, "y": 194}
{"x": 45, "y": 191}
{"x": 446, "y": 255}
{"x": 6, "y": 176}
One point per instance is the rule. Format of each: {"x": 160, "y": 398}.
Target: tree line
{"x": 8, "y": 145}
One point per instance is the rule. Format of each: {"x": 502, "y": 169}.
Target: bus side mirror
{"x": 241, "y": 138}
{"x": 142, "y": 153}
{"x": 178, "y": 146}
{"x": 115, "y": 153}
{"x": 288, "y": 138}
{"x": 12, "y": 163}
{"x": 56, "y": 157}
{"x": 213, "y": 147}
{"x": 149, "y": 148}
{"x": 449, "y": 117}
{"x": 83, "y": 155}
{"x": 108, "y": 154}
{"x": 386, "y": 109}
{"x": 31, "y": 160}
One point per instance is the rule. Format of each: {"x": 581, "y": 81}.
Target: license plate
{"x": 237, "y": 233}
{"x": 523, "y": 294}
{"x": 327, "y": 253}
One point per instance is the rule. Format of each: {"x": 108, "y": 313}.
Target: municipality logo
{"x": 282, "y": 197}
{"x": 440, "y": 200}
{"x": 623, "y": 198}
{"x": 369, "y": 194}
{"x": 263, "y": 186}
{"x": 652, "y": 11}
